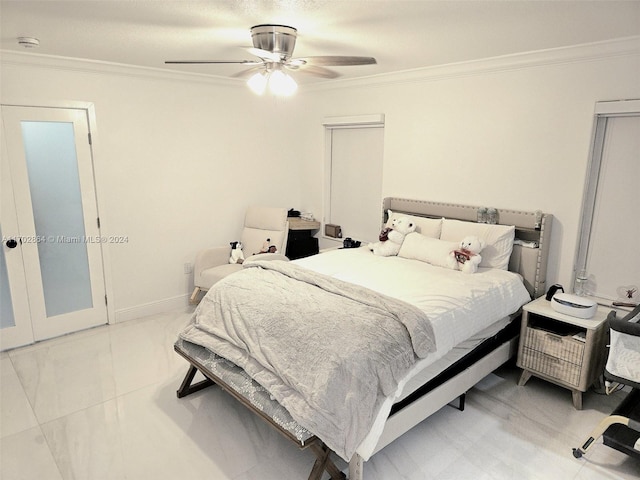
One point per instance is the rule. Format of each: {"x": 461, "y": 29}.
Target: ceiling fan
{"x": 273, "y": 45}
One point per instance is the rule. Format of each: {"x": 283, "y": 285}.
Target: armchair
{"x": 260, "y": 223}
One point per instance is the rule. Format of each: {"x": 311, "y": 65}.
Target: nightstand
{"x": 562, "y": 349}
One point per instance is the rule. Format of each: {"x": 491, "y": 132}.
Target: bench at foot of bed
{"x": 252, "y": 395}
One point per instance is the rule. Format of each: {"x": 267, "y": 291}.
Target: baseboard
{"x": 151, "y": 308}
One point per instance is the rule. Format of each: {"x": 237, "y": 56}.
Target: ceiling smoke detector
{"x": 28, "y": 42}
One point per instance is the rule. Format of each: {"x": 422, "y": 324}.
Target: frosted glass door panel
{"x": 57, "y": 210}
{"x": 7, "y": 318}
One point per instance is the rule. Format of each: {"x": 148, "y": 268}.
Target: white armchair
{"x": 260, "y": 224}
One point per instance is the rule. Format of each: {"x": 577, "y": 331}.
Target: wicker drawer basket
{"x": 550, "y": 366}
{"x": 561, "y": 347}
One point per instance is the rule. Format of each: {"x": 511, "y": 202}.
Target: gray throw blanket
{"x": 327, "y": 350}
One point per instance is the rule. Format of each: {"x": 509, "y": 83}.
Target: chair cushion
{"x": 214, "y": 274}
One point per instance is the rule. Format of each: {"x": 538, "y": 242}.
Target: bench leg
{"x": 187, "y": 389}
{"x": 324, "y": 463}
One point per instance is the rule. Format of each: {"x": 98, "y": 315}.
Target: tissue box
{"x": 331, "y": 230}
{"x": 574, "y": 305}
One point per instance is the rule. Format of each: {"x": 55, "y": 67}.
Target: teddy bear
{"x": 267, "y": 247}
{"x": 467, "y": 257}
{"x": 391, "y": 237}
{"x": 237, "y": 256}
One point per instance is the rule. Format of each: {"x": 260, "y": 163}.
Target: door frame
{"x": 98, "y": 174}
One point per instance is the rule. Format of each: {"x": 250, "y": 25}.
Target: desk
{"x": 300, "y": 241}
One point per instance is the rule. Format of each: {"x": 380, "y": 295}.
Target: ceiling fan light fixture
{"x": 258, "y": 83}
{"x": 281, "y": 84}
{"x": 273, "y": 46}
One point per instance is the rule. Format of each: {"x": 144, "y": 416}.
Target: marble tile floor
{"x": 101, "y": 404}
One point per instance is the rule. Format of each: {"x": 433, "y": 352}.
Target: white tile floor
{"x": 101, "y": 404}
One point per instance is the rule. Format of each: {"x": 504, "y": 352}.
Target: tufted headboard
{"x": 533, "y": 228}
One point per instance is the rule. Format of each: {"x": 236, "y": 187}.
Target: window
{"x": 353, "y": 183}
{"x": 610, "y": 224}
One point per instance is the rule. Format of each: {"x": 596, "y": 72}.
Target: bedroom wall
{"x": 178, "y": 160}
{"x": 512, "y": 132}
{"x": 179, "y": 157}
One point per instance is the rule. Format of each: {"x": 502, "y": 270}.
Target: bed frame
{"x": 533, "y": 228}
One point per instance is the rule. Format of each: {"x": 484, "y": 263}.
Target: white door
{"x": 50, "y": 169}
{"x": 15, "y": 319}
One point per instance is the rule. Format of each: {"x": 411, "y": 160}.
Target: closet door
{"x": 51, "y": 171}
{"x": 15, "y": 317}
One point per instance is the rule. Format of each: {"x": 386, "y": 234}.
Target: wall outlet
{"x": 188, "y": 268}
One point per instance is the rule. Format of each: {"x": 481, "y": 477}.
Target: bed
{"x": 377, "y": 344}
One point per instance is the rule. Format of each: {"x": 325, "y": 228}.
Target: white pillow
{"x": 429, "y": 227}
{"x": 499, "y": 240}
{"x": 426, "y": 249}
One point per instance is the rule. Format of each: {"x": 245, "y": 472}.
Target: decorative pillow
{"x": 429, "y": 227}
{"x": 499, "y": 240}
{"x": 426, "y": 249}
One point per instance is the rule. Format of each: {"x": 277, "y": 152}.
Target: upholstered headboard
{"x": 532, "y": 228}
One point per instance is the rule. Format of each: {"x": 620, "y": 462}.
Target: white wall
{"x": 510, "y": 133}
{"x": 178, "y": 159}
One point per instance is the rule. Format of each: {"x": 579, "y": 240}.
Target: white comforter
{"x": 458, "y": 304}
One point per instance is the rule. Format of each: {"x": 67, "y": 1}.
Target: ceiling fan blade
{"x": 190, "y": 62}
{"x": 314, "y": 70}
{"x": 336, "y": 61}
{"x": 248, "y": 72}
{"x": 265, "y": 54}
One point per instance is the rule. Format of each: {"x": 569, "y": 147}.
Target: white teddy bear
{"x": 467, "y": 257}
{"x": 392, "y": 237}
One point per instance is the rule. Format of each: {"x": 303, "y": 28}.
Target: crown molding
{"x": 54, "y": 62}
{"x": 627, "y": 46}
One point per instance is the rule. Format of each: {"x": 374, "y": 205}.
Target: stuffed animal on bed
{"x": 236, "y": 253}
{"x": 391, "y": 238}
{"x": 467, "y": 257}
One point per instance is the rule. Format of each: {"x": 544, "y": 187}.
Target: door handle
{"x": 11, "y": 243}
